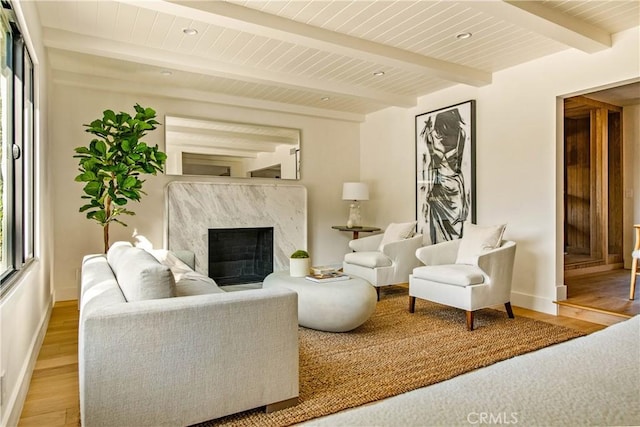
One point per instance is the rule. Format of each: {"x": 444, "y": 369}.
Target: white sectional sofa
{"x": 161, "y": 345}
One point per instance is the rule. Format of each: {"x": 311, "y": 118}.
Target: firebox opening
{"x": 240, "y": 255}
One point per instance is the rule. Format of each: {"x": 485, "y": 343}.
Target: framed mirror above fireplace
{"x": 196, "y": 146}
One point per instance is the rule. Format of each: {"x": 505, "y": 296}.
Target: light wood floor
{"x": 606, "y": 291}
{"x": 53, "y": 399}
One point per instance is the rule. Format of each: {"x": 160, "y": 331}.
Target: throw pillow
{"x": 188, "y": 282}
{"x": 168, "y": 258}
{"x": 193, "y": 283}
{"x": 478, "y": 239}
{"x": 395, "y": 232}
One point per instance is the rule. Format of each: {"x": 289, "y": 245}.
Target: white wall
{"x": 330, "y": 155}
{"x": 25, "y": 309}
{"x": 518, "y": 164}
{"x": 388, "y": 166}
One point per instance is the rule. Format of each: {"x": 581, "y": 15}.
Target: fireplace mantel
{"x": 194, "y": 207}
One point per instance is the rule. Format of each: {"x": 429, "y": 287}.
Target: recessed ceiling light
{"x": 463, "y": 36}
{"x": 166, "y": 72}
{"x": 378, "y": 73}
{"x": 325, "y": 98}
{"x": 190, "y": 31}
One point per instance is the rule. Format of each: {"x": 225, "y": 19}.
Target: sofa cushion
{"x": 477, "y": 240}
{"x": 368, "y": 259}
{"x": 451, "y": 274}
{"x": 115, "y": 252}
{"x": 395, "y": 232}
{"x": 141, "y": 277}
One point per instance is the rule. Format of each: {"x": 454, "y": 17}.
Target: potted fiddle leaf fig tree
{"x": 112, "y": 164}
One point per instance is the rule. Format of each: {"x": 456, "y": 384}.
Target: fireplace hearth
{"x": 240, "y": 255}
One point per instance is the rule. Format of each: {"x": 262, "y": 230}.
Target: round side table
{"x": 356, "y": 230}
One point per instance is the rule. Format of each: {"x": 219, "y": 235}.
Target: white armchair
{"x": 484, "y": 282}
{"x": 389, "y": 264}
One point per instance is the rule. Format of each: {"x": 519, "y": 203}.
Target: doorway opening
{"x": 598, "y": 203}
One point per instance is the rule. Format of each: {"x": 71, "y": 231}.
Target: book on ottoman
{"x": 327, "y": 277}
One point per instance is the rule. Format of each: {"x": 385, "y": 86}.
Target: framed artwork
{"x": 445, "y": 171}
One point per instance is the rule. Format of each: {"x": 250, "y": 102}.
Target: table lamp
{"x": 355, "y": 191}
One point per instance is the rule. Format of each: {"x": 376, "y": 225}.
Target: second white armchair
{"x": 470, "y": 278}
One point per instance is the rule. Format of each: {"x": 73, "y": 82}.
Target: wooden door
{"x": 592, "y": 184}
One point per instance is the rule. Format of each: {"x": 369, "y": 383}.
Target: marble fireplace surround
{"x": 192, "y": 208}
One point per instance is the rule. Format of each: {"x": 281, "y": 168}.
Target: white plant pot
{"x": 299, "y": 267}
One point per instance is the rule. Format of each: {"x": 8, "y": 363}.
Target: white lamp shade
{"x": 355, "y": 191}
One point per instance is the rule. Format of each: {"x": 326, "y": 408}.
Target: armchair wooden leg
{"x": 634, "y": 277}
{"x": 412, "y": 304}
{"x": 378, "y": 293}
{"x": 507, "y": 305}
{"x": 470, "y": 320}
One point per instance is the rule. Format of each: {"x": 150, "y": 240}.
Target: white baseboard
{"x": 533, "y": 302}
{"x": 17, "y": 399}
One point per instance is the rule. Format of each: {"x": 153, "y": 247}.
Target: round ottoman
{"x": 333, "y": 306}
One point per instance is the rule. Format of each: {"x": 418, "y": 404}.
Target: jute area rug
{"x": 395, "y": 352}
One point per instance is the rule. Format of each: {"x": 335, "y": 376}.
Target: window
{"x": 17, "y": 150}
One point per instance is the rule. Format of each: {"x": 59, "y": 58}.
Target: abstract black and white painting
{"x": 445, "y": 171}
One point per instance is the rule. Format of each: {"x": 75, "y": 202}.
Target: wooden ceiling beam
{"x": 70, "y": 78}
{"x": 59, "y": 39}
{"x": 229, "y": 15}
{"x": 535, "y": 16}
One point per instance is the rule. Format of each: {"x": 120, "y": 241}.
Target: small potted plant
{"x": 299, "y": 264}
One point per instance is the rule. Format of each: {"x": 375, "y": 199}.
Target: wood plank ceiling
{"x": 313, "y": 57}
